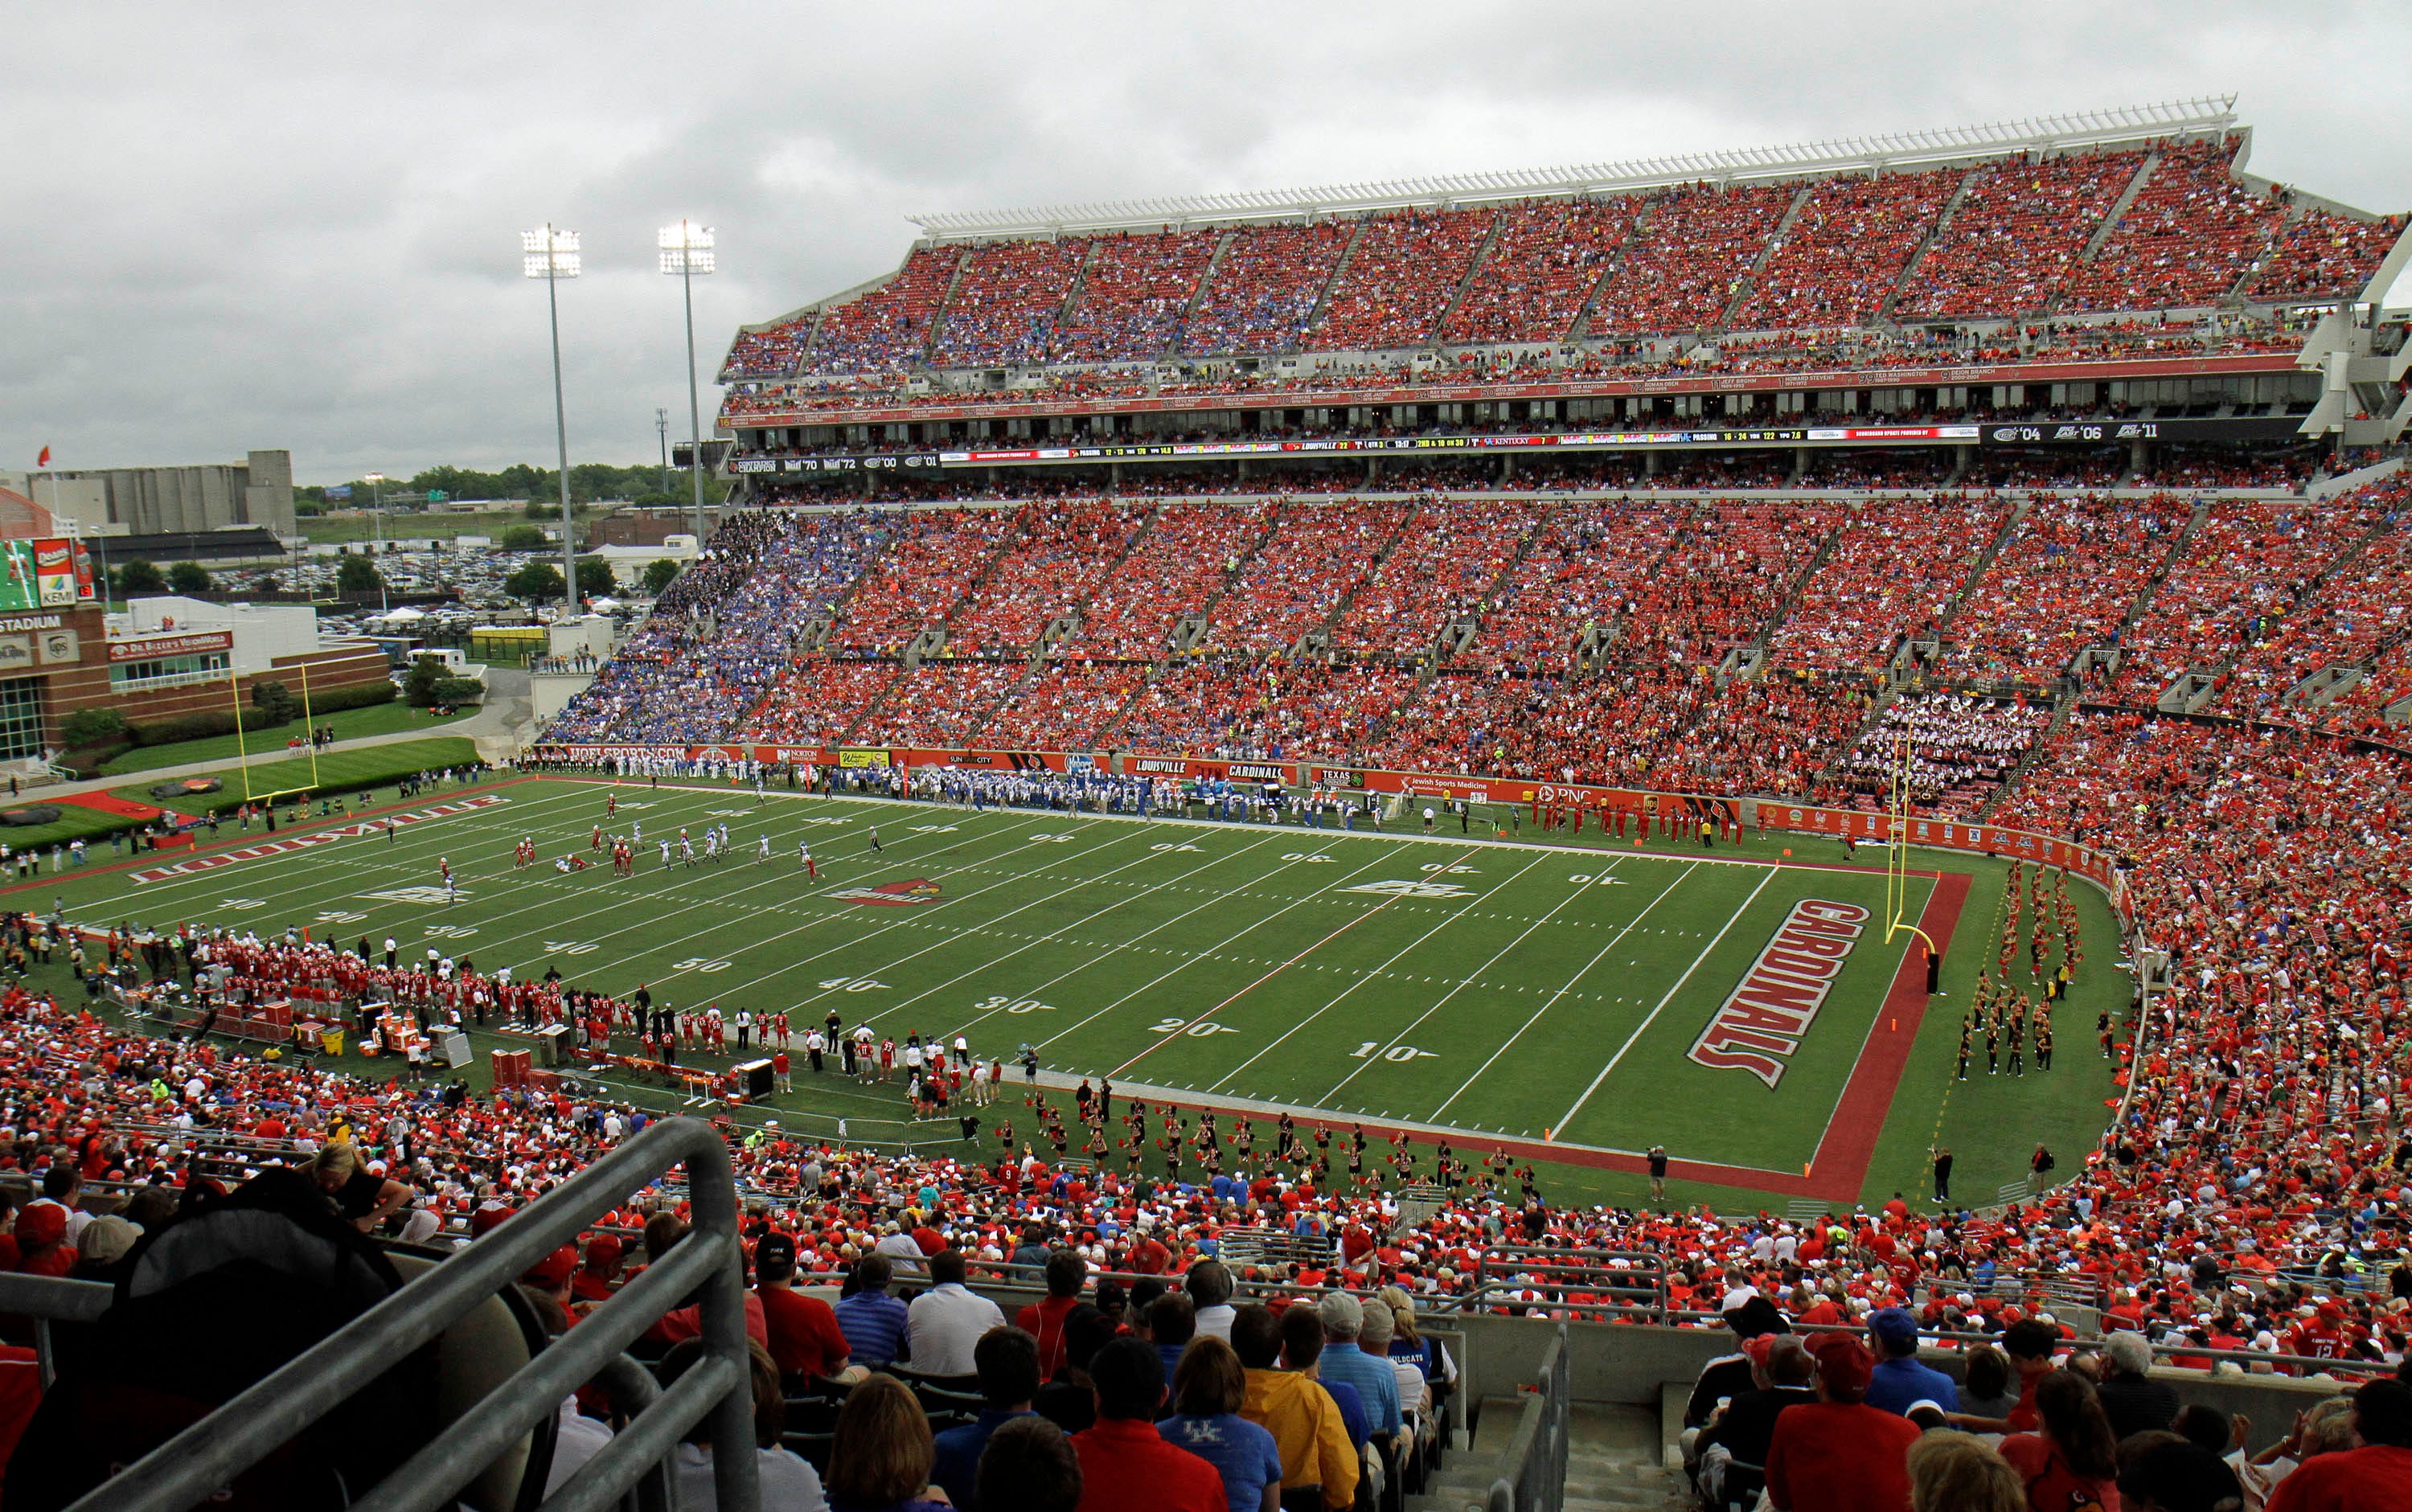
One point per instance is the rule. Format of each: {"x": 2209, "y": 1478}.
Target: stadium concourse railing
{"x": 1533, "y": 1468}
{"x": 708, "y": 1264}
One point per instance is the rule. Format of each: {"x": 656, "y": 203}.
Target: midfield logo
{"x": 890, "y": 894}
{"x": 1401, "y": 888}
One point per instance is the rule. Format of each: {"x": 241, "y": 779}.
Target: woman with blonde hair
{"x": 1953, "y": 1471}
{"x": 880, "y": 1459}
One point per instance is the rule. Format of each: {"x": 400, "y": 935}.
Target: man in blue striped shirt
{"x": 871, "y": 1321}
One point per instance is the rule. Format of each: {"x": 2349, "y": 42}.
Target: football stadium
{"x": 1717, "y": 831}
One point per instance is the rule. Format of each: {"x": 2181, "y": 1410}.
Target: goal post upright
{"x": 1897, "y": 854}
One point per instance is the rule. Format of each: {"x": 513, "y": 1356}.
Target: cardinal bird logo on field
{"x": 891, "y": 894}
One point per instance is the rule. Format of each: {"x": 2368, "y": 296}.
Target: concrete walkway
{"x": 500, "y": 727}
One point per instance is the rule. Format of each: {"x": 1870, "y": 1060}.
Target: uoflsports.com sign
{"x": 1763, "y": 1021}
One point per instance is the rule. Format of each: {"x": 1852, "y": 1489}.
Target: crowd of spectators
{"x": 1177, "y": 570}
{"x": 2324, "y": 256}
{"x": 941, "y": 703}
{"x": 2065, "y": 580}
{"x": 1545, "y": 259}
{"x": 1890, "y": 575}
{"x": 2012, "y": 244}
{"x": 1720, "y": 584}
{"x": 1313, "y": 560}
{"x": 1404, "y": 268}
{"x": 1444, "y": 566}
{"x": 1688, "y": 260}
{"x": 1264, "y": 711}
{"x": 817, "y": 700}
{"x": 1060, "y": 554}
{"x": 2359, "y": 606}
{"x": 1265, "y": 287}
{"x": 1072, "y": 706}
{"x": 721, "y": 632}
{"x": 933, "y": 561}
{"x": 769, "y": 353}
{"x": 2185, "y": 239}
{"x": 1134, "y": 295}
{"x": 887, "y": 328}
{"x": 1839, "y": 261}
{"x": 2250, "y": 561}
{"x": 2180, "y": 466}
{"x": 1582, "y": 570}
{"x": 1006, "y": 303}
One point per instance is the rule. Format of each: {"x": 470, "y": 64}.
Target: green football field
{"x": 1542, "y": 996}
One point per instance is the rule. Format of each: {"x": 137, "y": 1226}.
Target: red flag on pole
{"x": 45, "y": 460}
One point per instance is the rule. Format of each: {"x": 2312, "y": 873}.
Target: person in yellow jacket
{"x": 1301, "y": 1417}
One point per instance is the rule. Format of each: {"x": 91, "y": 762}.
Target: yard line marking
{"x": 413, "y": 843}
{"x": 1568, "y": 1116}
{"x": 1150, "y": 950}
{"x": 1463, "y": 982}
{"x": 839, "y": 915}
{"x": 1085, "y": 918}
{"x": 1455, "y": 916}
{"x": 779, "y": 871}
{"x": 1680, "y": 878}
{"x": 1193, "y": 959}
{"x": 1269, "y": 976}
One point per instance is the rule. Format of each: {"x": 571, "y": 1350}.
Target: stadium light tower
{"x": 686, "y": 251}
{"x": 662, "y": 430}
{"x": 377, "y": 492}
{"x": 553, "y": 256}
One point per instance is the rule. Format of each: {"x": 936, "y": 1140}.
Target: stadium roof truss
{"x": 2210, "y": 115}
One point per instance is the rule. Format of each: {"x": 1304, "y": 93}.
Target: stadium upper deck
{"x": 1986, "y": 244}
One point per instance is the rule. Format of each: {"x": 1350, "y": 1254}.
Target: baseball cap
{"x": 43, "y": 1223}
{"x": 554, "y": 1269}
{"x": 1757, "y": 1346}
{"x": 603, "y": 1249}
{"x": 1844, "y": 1363}
{"x": 774, "y": 1251}
{"x": 1893, "y": 1325}
{"x": 107, "y": 1239}
{"x": 1342, "y": 1312}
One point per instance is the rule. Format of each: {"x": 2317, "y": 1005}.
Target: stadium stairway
{"x": 1616, "y": 1462}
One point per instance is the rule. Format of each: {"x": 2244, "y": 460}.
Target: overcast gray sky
{"x": 286, "y": 225}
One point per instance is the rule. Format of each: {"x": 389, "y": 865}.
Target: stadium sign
{"x": 1763, "y": 1021}
{"x": 2021, "y": 433}
{"x": 2104, "y": 432}
{"x": 2094, "y": 369}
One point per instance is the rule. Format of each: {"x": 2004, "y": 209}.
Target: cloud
{"x": 298, "y": 228}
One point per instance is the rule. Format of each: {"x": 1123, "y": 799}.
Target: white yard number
{"x": 1048, "y": 840}
{"x": 1202, "y": 1028}
{"x": 1603, "y": 879}
{"x": 725, "y": 814}
{"x": 1302, "y": 855}
{"x": 933, "y": 828}
{"x": 243, "y": 902}
{"x": 450, "y": 931}
{"x": 568, "y": 948}
{"x": 1010, "y": 1004}
{"x": 699, "y": 964}
{"x": 1170, "y": 847}
{"x": 852, "y": 984}
{"x": 1444, "y": 866}
{"x": 338, "y": 916}
{"x": 1396, "y": 1052}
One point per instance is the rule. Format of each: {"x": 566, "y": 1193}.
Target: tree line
{"x": 539, "y": 486}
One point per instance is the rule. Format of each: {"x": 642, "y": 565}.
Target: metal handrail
{"x": 48, "y": 1300}
{"x": 1533, "y": 1472}
{"x": 189, "y": 1468}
